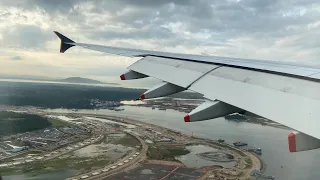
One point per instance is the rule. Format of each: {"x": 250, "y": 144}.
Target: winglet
{"x": 64, "y": 42}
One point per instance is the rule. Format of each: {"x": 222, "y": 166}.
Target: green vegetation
{"x": 249, "y": 162}
{"x": 161, "y": 153}
{"x": 128, "y": 140}
{"x": 80, "y": 80}
{"x": 35, "y": 167}
{"x": 8, "y": 171}
{"x": 57, "y": 122}
{"x": 61, "y": 95}
{"x": 241, "y": 153}
{"x": 68, "y": 96}
{"x": 13, "y": 123}
{"x": 76, "y": 163}
{"x": 23, "y": 154}
{"x": 235, "y": 117}
{"x": 187, "y": 95}
{"x": 88, "y": 164}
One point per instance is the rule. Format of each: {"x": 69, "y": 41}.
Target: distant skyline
{"x": 284, "y": 30}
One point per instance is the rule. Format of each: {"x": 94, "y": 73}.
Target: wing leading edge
{"x": 293, "y": 69}
{"x": 285, "y": 93}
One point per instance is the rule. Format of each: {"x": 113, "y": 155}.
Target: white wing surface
{"x": 285, "y": 93}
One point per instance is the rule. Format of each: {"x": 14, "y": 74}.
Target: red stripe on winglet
{"x": 142, "y": 97}
{"x": 187, "y": 118}
{"x": 122, "y": 77}
{"x": 292, "y": 142}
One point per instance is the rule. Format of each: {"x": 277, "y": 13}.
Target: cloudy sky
{"x": 284, "y": 30}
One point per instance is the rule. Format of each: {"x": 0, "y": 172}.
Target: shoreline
{"x": 264, "y": 122}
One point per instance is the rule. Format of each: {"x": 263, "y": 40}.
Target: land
{"x": 77, "y": 96}
{"x": 13, "y": 123}
{"x": 138, "y": 147}
{"x": 63, "y": 142}
{"x": 68, "y": 96}
{"x": 93, "y": 97}
{"x": 164, "y": 153}
{"x": 83, "y": 81}
{"x": 79, "y": 80}
{"x": 64, "y": 95}
{"x": 81, "y": 145}
{"x": 188, "y": 104}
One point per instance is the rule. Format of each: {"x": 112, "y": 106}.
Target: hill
{"x": 13, "y": 123}
{"x": 72, "y": 96}
{"x": 80, "y": 80}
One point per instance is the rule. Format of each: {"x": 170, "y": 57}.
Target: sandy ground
{"x": 256, "y": 164}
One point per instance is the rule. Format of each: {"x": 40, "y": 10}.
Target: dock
{"x": 263, "y": 176}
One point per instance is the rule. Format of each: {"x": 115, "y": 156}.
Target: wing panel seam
{"x": 204, "y": 74}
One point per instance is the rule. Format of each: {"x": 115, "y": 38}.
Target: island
{"x": 82, "y": 80}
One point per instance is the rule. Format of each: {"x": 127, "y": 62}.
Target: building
{"x": 18, "y": 149}
{"x": 255, "y": 172}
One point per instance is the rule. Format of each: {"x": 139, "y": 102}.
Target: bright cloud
{"x": 284, "y": 30}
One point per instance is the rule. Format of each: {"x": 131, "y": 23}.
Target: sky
{"x": 282, "y": 30}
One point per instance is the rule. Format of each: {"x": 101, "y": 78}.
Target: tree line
{"x": 13, "y": 123}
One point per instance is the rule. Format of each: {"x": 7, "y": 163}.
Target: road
{"x": 74, "y": 149}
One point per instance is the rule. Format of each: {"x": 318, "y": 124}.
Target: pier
{"x": 259, "y": 173}
{"x": 260, "y": 176}
{"x": 263, "y": 176}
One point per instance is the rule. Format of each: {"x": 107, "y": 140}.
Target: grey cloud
{"x": 307, "y": 41}
{"x": 65, "y": 5}
{"x": 222, "y": 20}
{"x": 148, "y": 3}
{"x": 251, "y": 27}
{"x": 234, "y": 19}
{"x": 161, "y": 36}
{"x": 15, "y": 58}
{"x": 152, "y": 32}
{"x": 48, "y": 6}
{"x": 25, "y": 36}
{"x": 4, "y": 15}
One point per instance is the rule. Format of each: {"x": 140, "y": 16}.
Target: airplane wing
{"x": 286, "y": 93}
